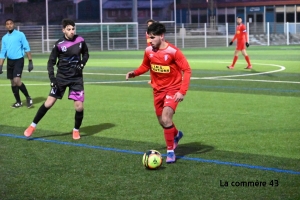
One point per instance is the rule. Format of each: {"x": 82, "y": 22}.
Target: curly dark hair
{"x": 156, "y": 29}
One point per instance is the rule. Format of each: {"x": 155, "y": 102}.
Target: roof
{"x": 127, "y": 4}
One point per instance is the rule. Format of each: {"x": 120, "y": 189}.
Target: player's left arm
{"x": 182, "y": 62}
{"x": 85, "y": 53}
{"x": 246, "y": 35}
{"x": 3, "y": 52}
{"x": 26, "y": 48}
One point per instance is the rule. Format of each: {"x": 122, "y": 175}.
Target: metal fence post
{"x": 227, "y": 34}
{"x": 268, "y": 33}
{"x": 287, "y": 33}
{"x": 205, "y": 39}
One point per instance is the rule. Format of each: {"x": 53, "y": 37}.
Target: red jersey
{"x": 148, "y": 40}
{"x": 241, "y": 33}
{"x": 166, "y": 67}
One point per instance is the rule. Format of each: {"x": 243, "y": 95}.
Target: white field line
{"x": 228, "y": 77}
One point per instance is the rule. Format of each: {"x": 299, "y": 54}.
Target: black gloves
{"x": 53, "y": 82}
{"x": 230, "y": 43}
{"x": 30, "y": 66}
{"x": 247, "y": 44}
{"x": 79, "y": 66}
{"x": 1, "y": 69}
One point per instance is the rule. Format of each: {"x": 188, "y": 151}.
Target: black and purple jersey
{"x": 69, "y": 53}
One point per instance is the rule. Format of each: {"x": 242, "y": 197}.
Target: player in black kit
{"x": 72, "y": 54}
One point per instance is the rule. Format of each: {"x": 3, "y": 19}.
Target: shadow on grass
{"x": 189, "y": 148}
{"x": 91, "y": 130}
{"x": 36, "y": 100}
{"x": 192, "y": 148}
{"x": 88, "y": 130}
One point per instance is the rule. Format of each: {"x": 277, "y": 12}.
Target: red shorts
{"x": 164, "y": 99}
{"x": 240, "y": 45}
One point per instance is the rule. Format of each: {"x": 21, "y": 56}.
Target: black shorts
{"x": 76, "y": 90}
{"x": 15, "y": 68}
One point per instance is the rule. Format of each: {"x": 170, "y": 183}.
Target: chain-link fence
{"x": 122, "y": 36}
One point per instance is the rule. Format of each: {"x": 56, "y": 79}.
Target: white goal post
{"x": 109, "y": 36}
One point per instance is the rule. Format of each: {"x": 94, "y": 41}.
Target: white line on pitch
{"x": 253, "y": 80}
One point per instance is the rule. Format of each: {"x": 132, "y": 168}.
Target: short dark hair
{"x": 150, "y": 20}
{"x": 239, "y": 17}
{"x": 67, "y": 22}
{"x": 9, "y": 20}
{"x": 156, "y": 29}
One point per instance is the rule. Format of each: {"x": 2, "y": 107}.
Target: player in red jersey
{"x": 242, "y": 42}
{"x": 149, "y": 22}
{"x": 170, "y": 78}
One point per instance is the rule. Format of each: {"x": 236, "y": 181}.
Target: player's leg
{"x": 15, "y": 89}
{"x": 78, "y": 119}
{"x": 18, "y": 69}
{"x": 244, "y": 52}
{"x": 170, "y": 102}
{"x": 76, "y": 93}
{"x": 165, "y": 117}
{"x": 235, "y": 58}
{"x": 55, "y": 93}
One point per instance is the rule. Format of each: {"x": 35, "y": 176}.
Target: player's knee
{"x": 78, "y": 106}
{"x": 166, "y": 121}
{"x": 50, "y": 102}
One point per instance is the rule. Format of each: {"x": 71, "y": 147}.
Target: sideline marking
{"x": 218, "y": 162}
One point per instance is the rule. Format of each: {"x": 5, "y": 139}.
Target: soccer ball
{"x": 152, "y": 159}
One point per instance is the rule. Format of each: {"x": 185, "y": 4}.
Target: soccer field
{"x": 241, "y": 132}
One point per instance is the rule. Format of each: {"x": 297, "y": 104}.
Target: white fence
{"x": 122, "y": 36}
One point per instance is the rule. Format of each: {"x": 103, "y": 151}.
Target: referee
{"x": 13, "y": 47}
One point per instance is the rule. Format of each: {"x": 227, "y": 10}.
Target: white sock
{"x": 168, "y": 151}
{"x": 33, "y": 124}
{"x": 74, "y": 129}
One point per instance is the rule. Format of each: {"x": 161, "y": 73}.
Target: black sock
{"x": 78, "y": 119}
{"x": 40, "y": 113}
{"x": 15, "y": 90}
{"x": 24, "y": 90}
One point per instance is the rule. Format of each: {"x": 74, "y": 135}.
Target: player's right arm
{"x": 234, "y": 38}
{"x": 52, "y": 62}
{"x": 3, "y": 51}
{"x": 143, "y": 68}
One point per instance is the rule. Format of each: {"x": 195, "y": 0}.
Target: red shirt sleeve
{"x": 234, "y": 38}
{"x": 182, "y": 62}
{"x": 144, "y": 67}
{"x": 245, "y": 33}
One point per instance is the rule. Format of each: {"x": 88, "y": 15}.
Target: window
{"x": 279, "y": 9}
{"x": 279, "y": 17}
{"x": 203, "y": 18}
{"x": 194, "y": 18}
{"x": 240, "y": 10}
{"x": 221, "y": 18}
{"x": 231, "y": 18}
{"x": 290, "y": 17}
{"x": 290, "y": 9}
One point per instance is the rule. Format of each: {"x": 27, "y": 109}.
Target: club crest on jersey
{"x": 63, "y": 48}
{"x": 166, "y": 57}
